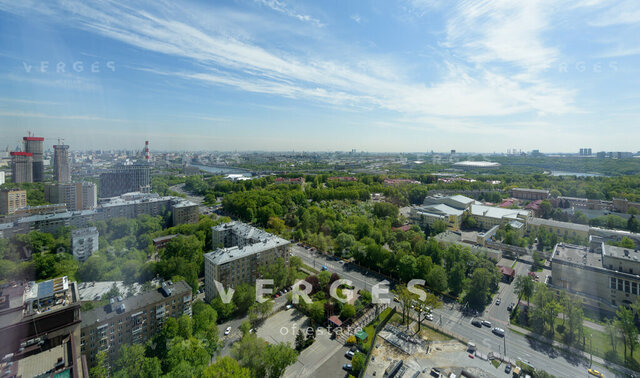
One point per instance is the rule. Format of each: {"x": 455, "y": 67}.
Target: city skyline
{"x": 275, "y": 76}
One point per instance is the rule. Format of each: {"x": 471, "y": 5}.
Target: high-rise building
{"x": 84, "y": 241}
{"x": 35, "y": 145}
{"x": 12, "y": 200}
{"x": 1, "y": 178}
{"x": 125, "y": 179}
{"x": 77, "y": 196}
{"x": 40, "y": 329}
{"x": 61, "y": 168}
{"x": 21, "y": 167}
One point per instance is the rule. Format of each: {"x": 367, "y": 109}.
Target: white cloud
{"x": 356, "y": 17}
{"x": 620, "y": 13}
{"x": 282, "y": 7}
{"x": 489, "y": 31}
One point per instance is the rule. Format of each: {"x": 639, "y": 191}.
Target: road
{"x": 540, "y": 355}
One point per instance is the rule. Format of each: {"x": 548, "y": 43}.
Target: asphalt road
{"x": 538, "y": 354}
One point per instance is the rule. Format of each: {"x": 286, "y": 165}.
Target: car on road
{"x": 498, "y": 331}
{"x": 477, "y": 323}
{"x": 507, "y": 369}
{"x": 324, "y": 268}
{"x": 347, "y": 367}
{"x": 510, "y": 307}
{"x": 486, "y": 323}
{"x": 349, "y": 354}
{"x": 227, "y": 331}
{"x": 498, "y": 302}
{"x": 595, "y": 372}
{"x": 471, "y": 356}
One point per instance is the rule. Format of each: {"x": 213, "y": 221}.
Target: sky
{"x": 276, "y": 75}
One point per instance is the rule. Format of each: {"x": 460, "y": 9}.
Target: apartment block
{"x": 132, "y": 320}
{"x": 239, "y": 251}
{"x": 76, "y": 196}
{"x": 11, "y": 200}
{"x": 529, "y": 194}
{"x": 84, "y": 242}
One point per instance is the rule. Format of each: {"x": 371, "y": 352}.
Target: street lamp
{"x": 590, "y": 349}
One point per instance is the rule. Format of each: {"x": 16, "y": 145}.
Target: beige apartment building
{"x": 12, "y": 200}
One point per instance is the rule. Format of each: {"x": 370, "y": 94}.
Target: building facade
{"x": 529, "y": 194}
{"x": 132, "y": 320}
{"x": 602, "y": 280}
{"x": 61, "y": 166}
{"x": 11, "y": 200}
{"x": 125, "y": 179}
{"x": 84, "y": 242}
{"x": 239, "y": 251}
{"x": 40, "y": 329}
{"x": 76, "y": 196}
{"x": 21, "y": 167}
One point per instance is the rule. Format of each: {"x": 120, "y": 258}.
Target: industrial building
{"x": 40, "y": 329}
{"x": 61, "y": 167}
{"x": 563, "y": 229}
{"x": 84, "y": 242}
{"x": 603, "y": 280}
{"x": 76, "y": 196}
{"x": 132, "y": 320}
{"x": 21, "y": 167}
{"x": 11, "y": 200}
{"x": 125, "y": 179}
{"x": 239, "y": 251}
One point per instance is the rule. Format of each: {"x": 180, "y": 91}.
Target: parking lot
{"x": 283, "y": 326}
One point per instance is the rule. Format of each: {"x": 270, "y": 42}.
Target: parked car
{"x": 429, "y": 317}
{"x": 498, "y": 302}
{"x": 510, "y": 307}
{"x": 227, "y": 331}
{"x": 486, "y": 323}
{"x": 476, "y": 323}
{"x": 347, "y": 367}
{"x": 498, "y": 331}
{"x": 507, "y": 369}
{"x": 289, "y": 307}
{"x": 349, "y": 354}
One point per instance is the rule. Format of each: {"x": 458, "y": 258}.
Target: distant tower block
{"x": 34, "y": 145}
{"x": 147, "y": 156}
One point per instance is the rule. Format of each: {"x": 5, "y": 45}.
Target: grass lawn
{"x": 601, "y": 344}
{"x": 307, "y": 267}
{"x": 370, "y": 329}
{"x": 495, "y": 363}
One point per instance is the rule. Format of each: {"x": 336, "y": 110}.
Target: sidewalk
{"x": 577, "y": 352}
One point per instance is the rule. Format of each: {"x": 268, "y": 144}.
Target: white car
{"x": 227, "y": 331}
{"x": 289, "y": 307}
{"x": 429, "y": 317}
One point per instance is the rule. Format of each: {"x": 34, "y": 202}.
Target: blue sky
{"x": 374, "y": 75}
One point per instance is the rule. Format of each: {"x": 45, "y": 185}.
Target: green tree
{"x": 479, "y": 287}
{"x": 456, "y": 278}
{"x": 243, "y": 297}
{"x": 357, "y": 362}
{"x": 101, "y": 368}
{"x": 300, "y": 344}
{"x": 316, "y": 311}
{"x": 524, "y": 286}
{"x": 437, "y": 279}
{"x": 250, "y": 353}
{"x": 226, "y": 367}
{"x": 348, "y": 311}
{"x": 438, "y": 227}
{"x": 627, "y": 329}
{"x": 278, "y": 357}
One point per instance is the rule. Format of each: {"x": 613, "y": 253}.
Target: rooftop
{"x": 498, "y": 212}
{"x": 576, "y": 254}
{"x": 439, "y": 209}
{"x": 554, "y": 223}
{"x": 133, "y": 303}
{"x": 628, "y": 254}
{"x": 531, "y": 190}
{"x": 84, "y": 231}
